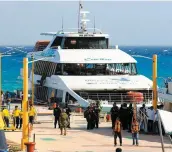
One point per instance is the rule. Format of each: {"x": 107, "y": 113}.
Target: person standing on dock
{"x": 135, "y": 131}
{"x": 56, "y": 113}
{"x": 64, "y": 120}
{"x": 117, "y": 131}
{"x": 68, "y": 112}
{"x": 21, "y": 118}
{"x": 16, "y": 114}
{"x": 130, "y": 116}
{"x": 97, "y": 112}
{"x": 32, "y": 114}
{"x": 114, "y": 114}
{"x": 6, "y": 115}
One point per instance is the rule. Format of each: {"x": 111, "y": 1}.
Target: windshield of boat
{"x": 85, "y": 43}
{"x": 96, "y": 69}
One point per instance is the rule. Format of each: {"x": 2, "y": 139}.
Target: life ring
{"x": 135, "y": 96}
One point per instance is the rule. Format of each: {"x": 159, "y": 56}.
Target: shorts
{"x": 31, "y": 118}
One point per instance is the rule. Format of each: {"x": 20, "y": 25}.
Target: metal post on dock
{"x": 155, "y": 97}
{"x": 154, "y": 82}
{"x": 25, "y": 129}
{"x": 32, "y": 79}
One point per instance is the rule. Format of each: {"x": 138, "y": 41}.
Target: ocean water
{"x": 12, "y": 62}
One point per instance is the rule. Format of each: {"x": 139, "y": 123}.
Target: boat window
{"x": 57, "y": 42}
{"x": 96, "y": 69}
{"x": 59, "y": 95}
{"x": 133, "y": 69}
{"x": 85, "y": 43}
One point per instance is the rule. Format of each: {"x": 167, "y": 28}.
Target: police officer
{"x": 87, "y": 115}
{"x": 114, "y": 113}
{"x": 97, "y": 112}
{"x": 56, "y": 113}
{"x": 130, "y": 116}
{"x": 68, "y": 112}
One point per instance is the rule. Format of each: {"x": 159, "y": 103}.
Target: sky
{"x": 127, "y": 23}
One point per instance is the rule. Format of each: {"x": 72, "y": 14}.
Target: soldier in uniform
{"x": 114, "y": 114}
{"x": 56, "y": 113}
{"x": 64, "y": 120}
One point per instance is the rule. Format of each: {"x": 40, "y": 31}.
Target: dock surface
{"x": 79, "y": 139}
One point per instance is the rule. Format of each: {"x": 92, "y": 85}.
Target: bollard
{"x": 30, "y": 146}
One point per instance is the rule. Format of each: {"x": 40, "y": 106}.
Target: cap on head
{"x": 118, "y": 150}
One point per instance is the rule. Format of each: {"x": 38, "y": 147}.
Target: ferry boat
{"x": 80, "y": 66}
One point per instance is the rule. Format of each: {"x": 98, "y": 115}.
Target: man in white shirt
{"x": 151, "y": 117}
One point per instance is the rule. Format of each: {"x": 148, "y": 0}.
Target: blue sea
{"x": 12, "y": 62}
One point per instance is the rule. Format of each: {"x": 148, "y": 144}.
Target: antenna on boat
{"x": 62, "y": 23}
{"x": 80, "y": 7}
{"x": 94, "y": 25}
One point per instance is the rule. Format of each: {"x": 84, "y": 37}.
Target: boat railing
{"x": 114, "y": 97}
{"x": 143, "y": 119}
{"x": 68, "y": 29}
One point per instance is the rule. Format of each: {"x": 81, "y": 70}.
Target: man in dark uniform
{"x": 68, "y": 111}
{"x": 97, "y": 111}
{"x": 130, "y": 116}
{"x": 114, "y": 114}
{"x": 87, "y": 115}
{"x": 56, "y": 112}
